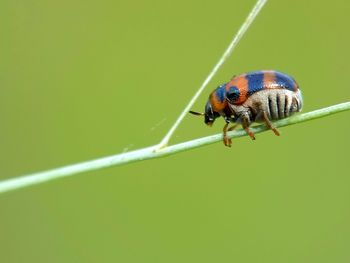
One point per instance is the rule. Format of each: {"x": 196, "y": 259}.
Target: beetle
{"x": 257, "y": 96}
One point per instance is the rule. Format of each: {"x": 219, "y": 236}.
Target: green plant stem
{"x": 154, "y": 151}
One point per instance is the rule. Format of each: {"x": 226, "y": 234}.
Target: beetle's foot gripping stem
{"x": 250, "y": 133}
{"x": 269, "y": 124}
{"x": 246, "y": 123}
{"x": 227, "y": 141}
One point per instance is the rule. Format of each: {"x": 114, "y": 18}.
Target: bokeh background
{"x": 86, "y": 79}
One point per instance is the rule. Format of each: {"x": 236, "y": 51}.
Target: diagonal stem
{"x": 149, "y": 153}
{"x": 251, "y": 17}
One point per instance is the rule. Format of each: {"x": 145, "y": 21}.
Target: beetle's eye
{"x": 233, "y": 94}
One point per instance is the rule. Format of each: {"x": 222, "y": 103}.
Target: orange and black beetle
{"x": 258, "y": 96}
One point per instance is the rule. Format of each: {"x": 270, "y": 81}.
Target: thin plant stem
{"x": 141, "y": 154}
{"x": 251, "y": 17}
{"x": 151, "y": 153}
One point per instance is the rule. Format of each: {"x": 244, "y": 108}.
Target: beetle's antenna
{"x": 196, "y": 113}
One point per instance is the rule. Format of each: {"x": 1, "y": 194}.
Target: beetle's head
{"x": 209, "y": 114}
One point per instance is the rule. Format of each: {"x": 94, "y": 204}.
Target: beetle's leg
{"x": 269, "y": 124}
{"x": 245, "y": 125}
{"x": 227, "y": 141}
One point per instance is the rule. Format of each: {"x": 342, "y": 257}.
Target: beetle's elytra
{"x": 258, "y": 96}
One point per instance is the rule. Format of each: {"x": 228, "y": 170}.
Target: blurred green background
{"x": 85, "y": 79}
